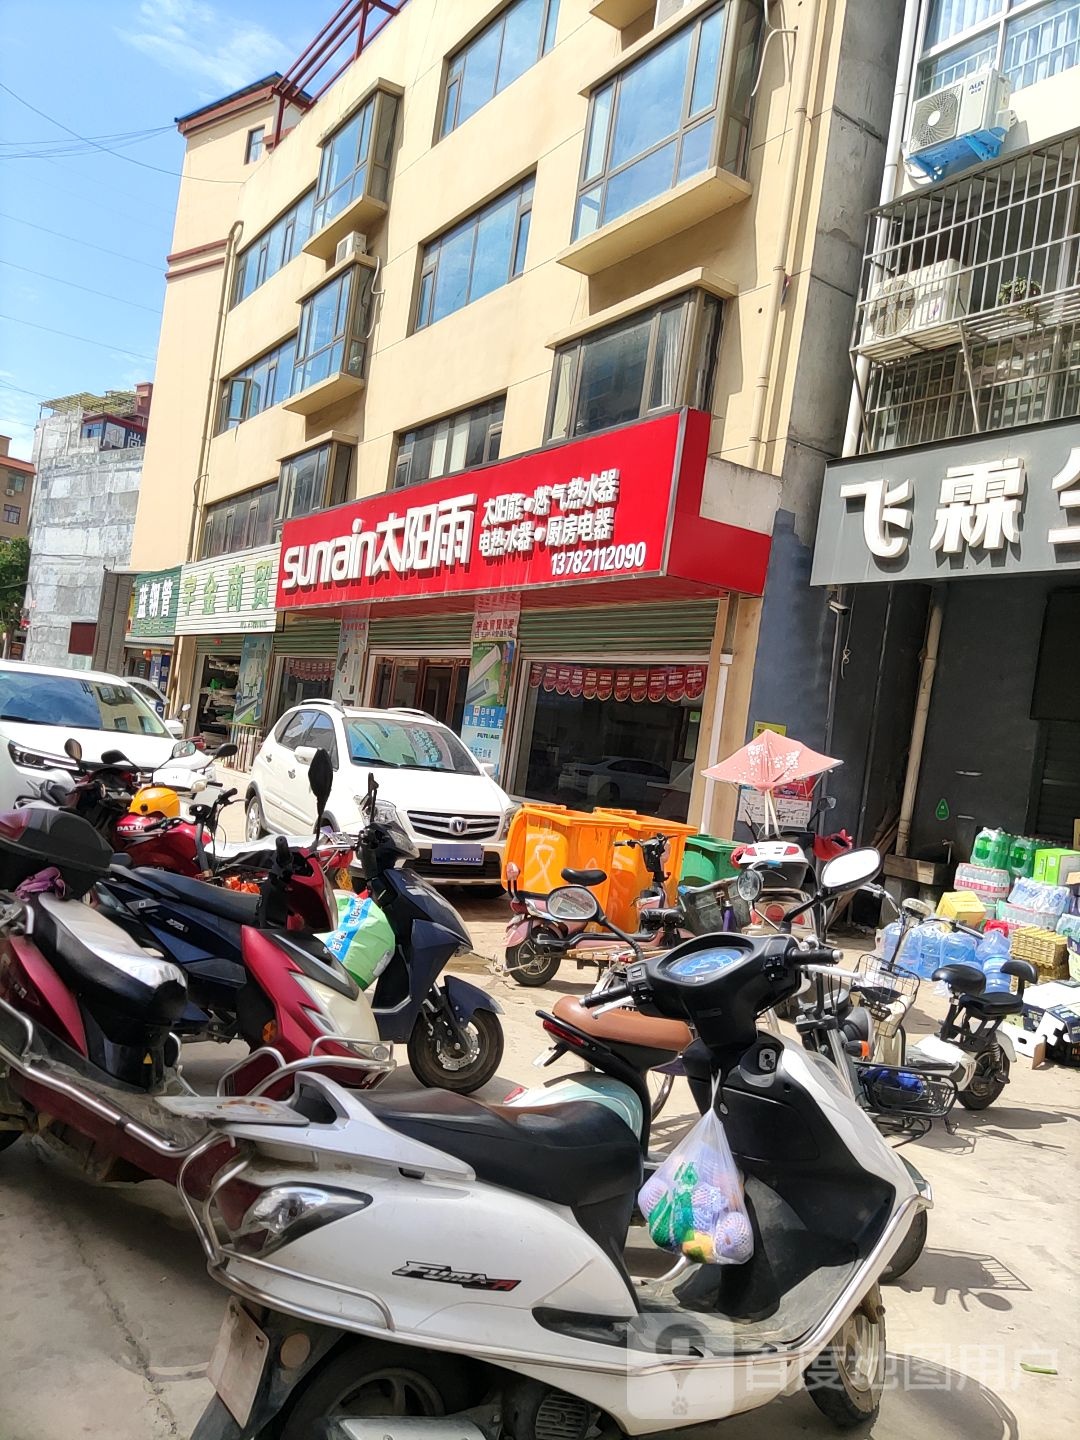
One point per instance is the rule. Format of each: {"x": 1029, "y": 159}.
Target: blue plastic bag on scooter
{"x": 363, "y": 940}
{"x": 694, "y": 1204}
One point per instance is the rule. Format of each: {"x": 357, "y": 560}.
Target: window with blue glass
{"x": 483, "y": 252}
{"x": 356, "y": 159}
{"x": 1027, "y": 40}
{"x": 663, "y": 119}
{"x": 273, "y": 249}
{"x": 512, "y": 43}
{"x": 334, "y": 325}
{"x": 265, "y": 382}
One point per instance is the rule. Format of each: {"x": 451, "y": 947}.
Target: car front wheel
{"x": 254, "y": 824}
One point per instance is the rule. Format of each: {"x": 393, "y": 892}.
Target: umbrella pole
{"x": 771, "y": 802}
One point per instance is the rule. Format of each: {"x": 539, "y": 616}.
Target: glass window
{"x": 333, "y": 334}
{"x": 315, "y": 480}
{"x": 512, "y": 43}
{"x": 12, "y": 514}
{"x": 273, "y": 249}
{"x": 77, "y": 704}
{"x": 292, "y": 729}
{"x": 406, "y": 745}
{"x": 1027, "y": 42}
{"x": 482, "y": 253}
{"x": 321, "y": 737}
{"x": 17, "y": 483}
{"x": 254, "y": 144}
{"x": 457, "y": 442}
{"x": 265, "y": 382}
{"x": 659, "y": 360}
{"x": 655, "y": 124}
{"x": 240, "y": 522}
{"x": 351, "y": 166}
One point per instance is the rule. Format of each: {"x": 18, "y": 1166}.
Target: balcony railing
{"x": 970, "y": 308}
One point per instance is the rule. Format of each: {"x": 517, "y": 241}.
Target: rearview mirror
{"x": 185, "y": 709}
{"x": 749, "y": 884}
{"x": 183, "y": 748}
{"x": 321, "y": 779}
{"x": 488, "y": 768}
{"x": 305, "y": 754}
{"x": 112, "y": 757}
{"x": 850, "y": 870}
{"x": 73, "y": 750}
{"x": 223, "y": 752}
{"x": 572, "y": 903}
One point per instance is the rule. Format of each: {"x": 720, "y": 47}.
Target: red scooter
{"x": 88, "y": 1053}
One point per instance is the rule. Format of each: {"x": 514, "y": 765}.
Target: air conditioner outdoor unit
{"x": 10, "y": 490}
{"x": 666, "y": 8}
{"x": 960, "y": 124}
{"x": 350, "y": 246}
{"x": 928, "y": 303}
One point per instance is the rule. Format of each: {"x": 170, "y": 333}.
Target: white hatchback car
{"x": 449, "y": 806}
{"x": 41, "y": 707}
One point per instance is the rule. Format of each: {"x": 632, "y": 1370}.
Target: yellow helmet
{"x": 156, "y": 800}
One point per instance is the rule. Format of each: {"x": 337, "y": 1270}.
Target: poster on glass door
{"x": 352, "y": 648}
{"x": 491, "y": 665}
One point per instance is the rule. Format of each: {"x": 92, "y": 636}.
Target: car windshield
{"x": 407, "y": 745}
{"x": 74, "y": 703}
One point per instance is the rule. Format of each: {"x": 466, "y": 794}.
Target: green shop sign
{"x": 155, "y": 596}
{"x": 229, "y": 594}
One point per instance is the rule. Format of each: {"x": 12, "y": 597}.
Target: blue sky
{"x": 106, "y": 68}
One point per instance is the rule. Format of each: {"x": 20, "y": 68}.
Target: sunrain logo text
{"x": 443, "y": 1275}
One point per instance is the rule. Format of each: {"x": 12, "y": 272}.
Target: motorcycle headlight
{"x": 284, "y": 1213}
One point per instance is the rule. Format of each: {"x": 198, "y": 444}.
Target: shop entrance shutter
{"x": 425, "y": 633}
{"x": 1058, "y": 805}
{"x": 313, "y": 639}
{"x": 620, "y": 629}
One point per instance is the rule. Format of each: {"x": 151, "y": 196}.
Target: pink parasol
{"x": 769, "y": 761}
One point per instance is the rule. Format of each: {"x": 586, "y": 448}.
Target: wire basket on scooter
{"x": 887, "y": 992}
{"x": 898, "y": 1090}
{"x": 704, "y": 907}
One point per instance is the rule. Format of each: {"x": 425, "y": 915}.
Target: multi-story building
{"x": 88, "y": 450}
{"x": 17, "y": 483}
{"x": 518, "y": 344}
{"x": 951, "y": 534}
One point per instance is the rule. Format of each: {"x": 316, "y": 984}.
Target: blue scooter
{"x": 452, "y": 1031}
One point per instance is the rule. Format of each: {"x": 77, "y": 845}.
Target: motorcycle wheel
{"x": 659, "y": 1087}
{"x": 434, "y": 1061}
{"x": 990, "y": 1078}
{"x": 373, "y": 1378}
{"x": 910, "y": 1250}
{"x": 847, "y": 1379}
{"x": 528, "y": 966}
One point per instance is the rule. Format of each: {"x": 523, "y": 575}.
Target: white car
{"x": 449, "y": 806}
{"x": 41, "y": 708}
{"x": 622, "y": 780}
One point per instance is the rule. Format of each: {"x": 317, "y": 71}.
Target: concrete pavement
{"x": 108, "y": 1317}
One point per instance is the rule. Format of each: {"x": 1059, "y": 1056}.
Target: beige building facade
{"x": 491, "y": 258}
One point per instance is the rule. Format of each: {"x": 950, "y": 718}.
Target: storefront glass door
{"x": 435, "y": 686}
{"x": 621, "y": 736}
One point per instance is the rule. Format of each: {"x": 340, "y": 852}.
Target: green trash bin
{"x": 706, "y": 859}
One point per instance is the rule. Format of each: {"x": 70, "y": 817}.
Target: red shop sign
{"x": 695, "y": 682}
{"x": 675, "y": 688}
{"x": 622, "y": 505}
{"x": 605, "y": 683}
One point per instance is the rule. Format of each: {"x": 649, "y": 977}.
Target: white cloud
{"x": 195, "y": 38}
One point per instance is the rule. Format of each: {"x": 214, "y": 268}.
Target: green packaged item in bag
{"x": 363, "y": 940}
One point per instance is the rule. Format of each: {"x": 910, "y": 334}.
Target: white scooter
{"x": 424, "y": 1265}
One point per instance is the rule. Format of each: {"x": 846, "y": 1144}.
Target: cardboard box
{"x": 1052, "y": 1012}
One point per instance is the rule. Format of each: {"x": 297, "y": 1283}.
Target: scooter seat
{"x": 103, "y": 964}
{"x": 584, "y": 877}
{"x": 232, "y": 905}
{"x": 624, "y": 1027}
{"x": 579, "y": 1154}
{"x": 991, "y": 1007}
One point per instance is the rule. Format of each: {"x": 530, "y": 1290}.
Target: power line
{"x": 151, "y": 309}
{"x": 7, "y": 385}
{"x": 78, "y": 240}
{"x": 44, "y": 149}
{"x": 86, "y": 340}
{"x": 176, "y": 175}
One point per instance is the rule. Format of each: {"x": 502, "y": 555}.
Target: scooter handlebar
{"x": 607, "y": 997}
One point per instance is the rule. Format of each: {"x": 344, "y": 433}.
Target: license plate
{"x": 450, "y": 854}
{"x": 237, "y": 1364}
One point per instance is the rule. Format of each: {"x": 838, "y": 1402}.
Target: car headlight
{"x": 507, "y": 820}
{"x": 284, "y": 1213}
{"x": 385, "y": 812}
{"x": 35, "y": 760}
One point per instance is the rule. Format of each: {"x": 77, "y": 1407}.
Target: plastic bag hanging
{"x": 694, "y": 1204}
